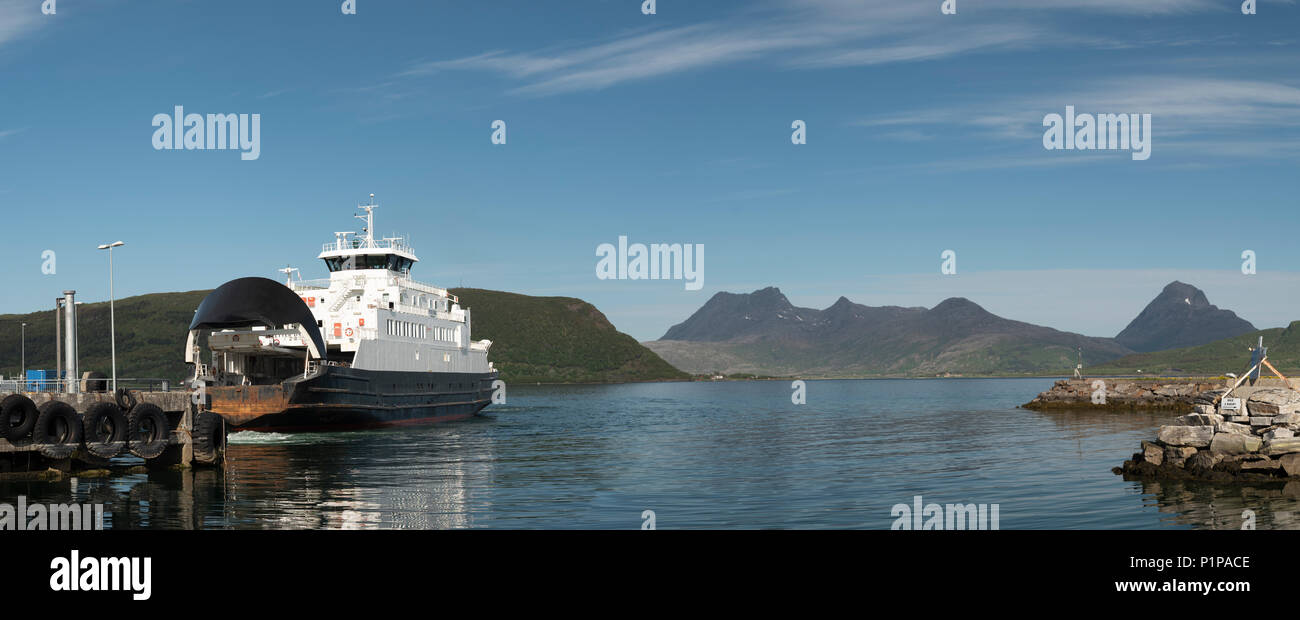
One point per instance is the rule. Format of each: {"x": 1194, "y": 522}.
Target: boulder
{"x": 1204, "y": 409}
{"x": 1291, "y": 464}
{"x": 1198, "y": 419}
{"x": 1278, "y": 433}
{"x": 1287, "y": 418}
{"x": 1231, "y": 427}
{"x": 1232, "y": 443}
{"x": 1275, "y": 447}
{"x": 1153, "y": 453}
{"x": 1179, "y": 452}
{"x": 1259, "y": 420}
{"x": 1202, "y": 460}
{"x": 1263, "y": 465}
{"x": 1240, "y": 419}
{"x": 1195, "y": 436}
{"x": 1274, "y": 401}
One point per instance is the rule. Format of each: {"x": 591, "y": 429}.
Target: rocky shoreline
{"x": 1120, "y": 393}
{"x": 1257, "y": 442}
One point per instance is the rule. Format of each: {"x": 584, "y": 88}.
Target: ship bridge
{"x": 350, "y": 252}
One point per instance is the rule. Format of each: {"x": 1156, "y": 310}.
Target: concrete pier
{"x": 23, "y": 459}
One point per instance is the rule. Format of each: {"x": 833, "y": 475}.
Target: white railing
{"x": 361, "y": 244}
{"x": 311, "y": 285}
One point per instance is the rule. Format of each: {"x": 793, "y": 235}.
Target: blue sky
{"x": 924, "y": 134}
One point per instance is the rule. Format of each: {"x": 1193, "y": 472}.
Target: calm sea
{"x": 699, "y": 455}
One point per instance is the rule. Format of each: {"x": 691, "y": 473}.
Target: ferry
{"x": 367, "y": 347}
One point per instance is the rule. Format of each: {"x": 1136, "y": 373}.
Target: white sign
{"x": 1232, "y": 404}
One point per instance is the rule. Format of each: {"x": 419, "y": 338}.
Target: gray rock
{"x": 1204, "y": 409}
{"x": 1287, "y": 418}
{"x": 1259, "y": 420}
{"x": 1275, "y": 401}
{"x": 1201, "y": 460}
{"x": 1198, "y": 419}
{"x": 1282, "y": 446}
{"x": 1232, "y": 443}
{"x": 1230, "y": 427}
{"x": 1278, "y": 433}
{"x": 1291, "y": 464}
{"x": 1195, "y": 436}
{"x": 1265, "y": 465}
{"x": 1153, "y": 453}
{"x": 1241, "y": 419}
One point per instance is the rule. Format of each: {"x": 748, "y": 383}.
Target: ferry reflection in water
{"x": 358, "y": 480}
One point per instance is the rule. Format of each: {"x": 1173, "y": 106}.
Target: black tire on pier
{"x": 126, "y": 399}
{"x": 97, "y": 382}
{"x": 104, "y": 428}
{"x": 17, "y": 417}
{"x": 148, "y": 431}
{"x": 58, "y": 430}
{"x": 209, "y": 438}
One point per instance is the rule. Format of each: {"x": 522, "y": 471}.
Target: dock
{"x": 130, "y": 428}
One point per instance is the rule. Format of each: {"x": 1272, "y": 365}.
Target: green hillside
{"x": 558, "y": 340}
{"x": 150, "y": 336}
{"x": 1218, "y": 357}
{"x": 537, "y": 339}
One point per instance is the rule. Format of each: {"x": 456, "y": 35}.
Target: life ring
{"x": 348, "y": 332}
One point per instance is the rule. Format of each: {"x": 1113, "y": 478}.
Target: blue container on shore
{"x": 41, "y": 380}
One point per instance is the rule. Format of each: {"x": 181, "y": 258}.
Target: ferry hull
{"x": 340, "y": 398}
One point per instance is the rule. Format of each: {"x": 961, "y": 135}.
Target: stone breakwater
{"x": 1257, "y": 443}
{"x": 1106, "y": 393}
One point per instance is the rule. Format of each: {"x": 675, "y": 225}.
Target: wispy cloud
{"x": 800, "y": 34}
{"x": 18, "y": 18}
{"x": 5, "y": 133}
{"x": 1193, "y": 114}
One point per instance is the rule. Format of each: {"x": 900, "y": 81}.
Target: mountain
{"x": 1179, "y": 317}
{"x": 1215, "y": 358}
{"x": 546, "y": 339}
{"x": 763, "y": 333}
{"x": 558, "y": 340}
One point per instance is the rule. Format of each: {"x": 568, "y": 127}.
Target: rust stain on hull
{"x": 241, "y": 404}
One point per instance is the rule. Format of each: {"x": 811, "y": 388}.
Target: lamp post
{"x": 23, "y": 376}
{"x": 112, "y": 316}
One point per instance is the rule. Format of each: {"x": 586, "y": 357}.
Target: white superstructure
{"x": 373, "y": 316}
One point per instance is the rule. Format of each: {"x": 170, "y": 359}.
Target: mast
{"x": 370, "y": 221}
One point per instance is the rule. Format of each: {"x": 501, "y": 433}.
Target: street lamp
{"x": 112, "y": 316}
{"x": 23, "y": 377}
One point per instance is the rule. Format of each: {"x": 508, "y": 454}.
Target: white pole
{"x": 112, "y": 316}
{"x": 112, "y": 312}
{"x": 23, "y": 377}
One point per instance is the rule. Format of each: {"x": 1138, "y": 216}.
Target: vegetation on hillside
{"x": 1218, "y": 357}
{"x": 151, "y": 331}
{"x": 558, "y": 340}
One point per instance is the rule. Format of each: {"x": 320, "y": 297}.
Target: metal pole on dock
{"x": 58, "y": 346}
{"x": 112, "y": 316}
{"x": 23, "y": 377}
{"x": 70, "y": 343}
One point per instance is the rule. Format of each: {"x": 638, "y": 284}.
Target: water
{"x": 700, "y": 455}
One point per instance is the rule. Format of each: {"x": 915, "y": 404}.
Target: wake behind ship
{"x": 366, "y": 347}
